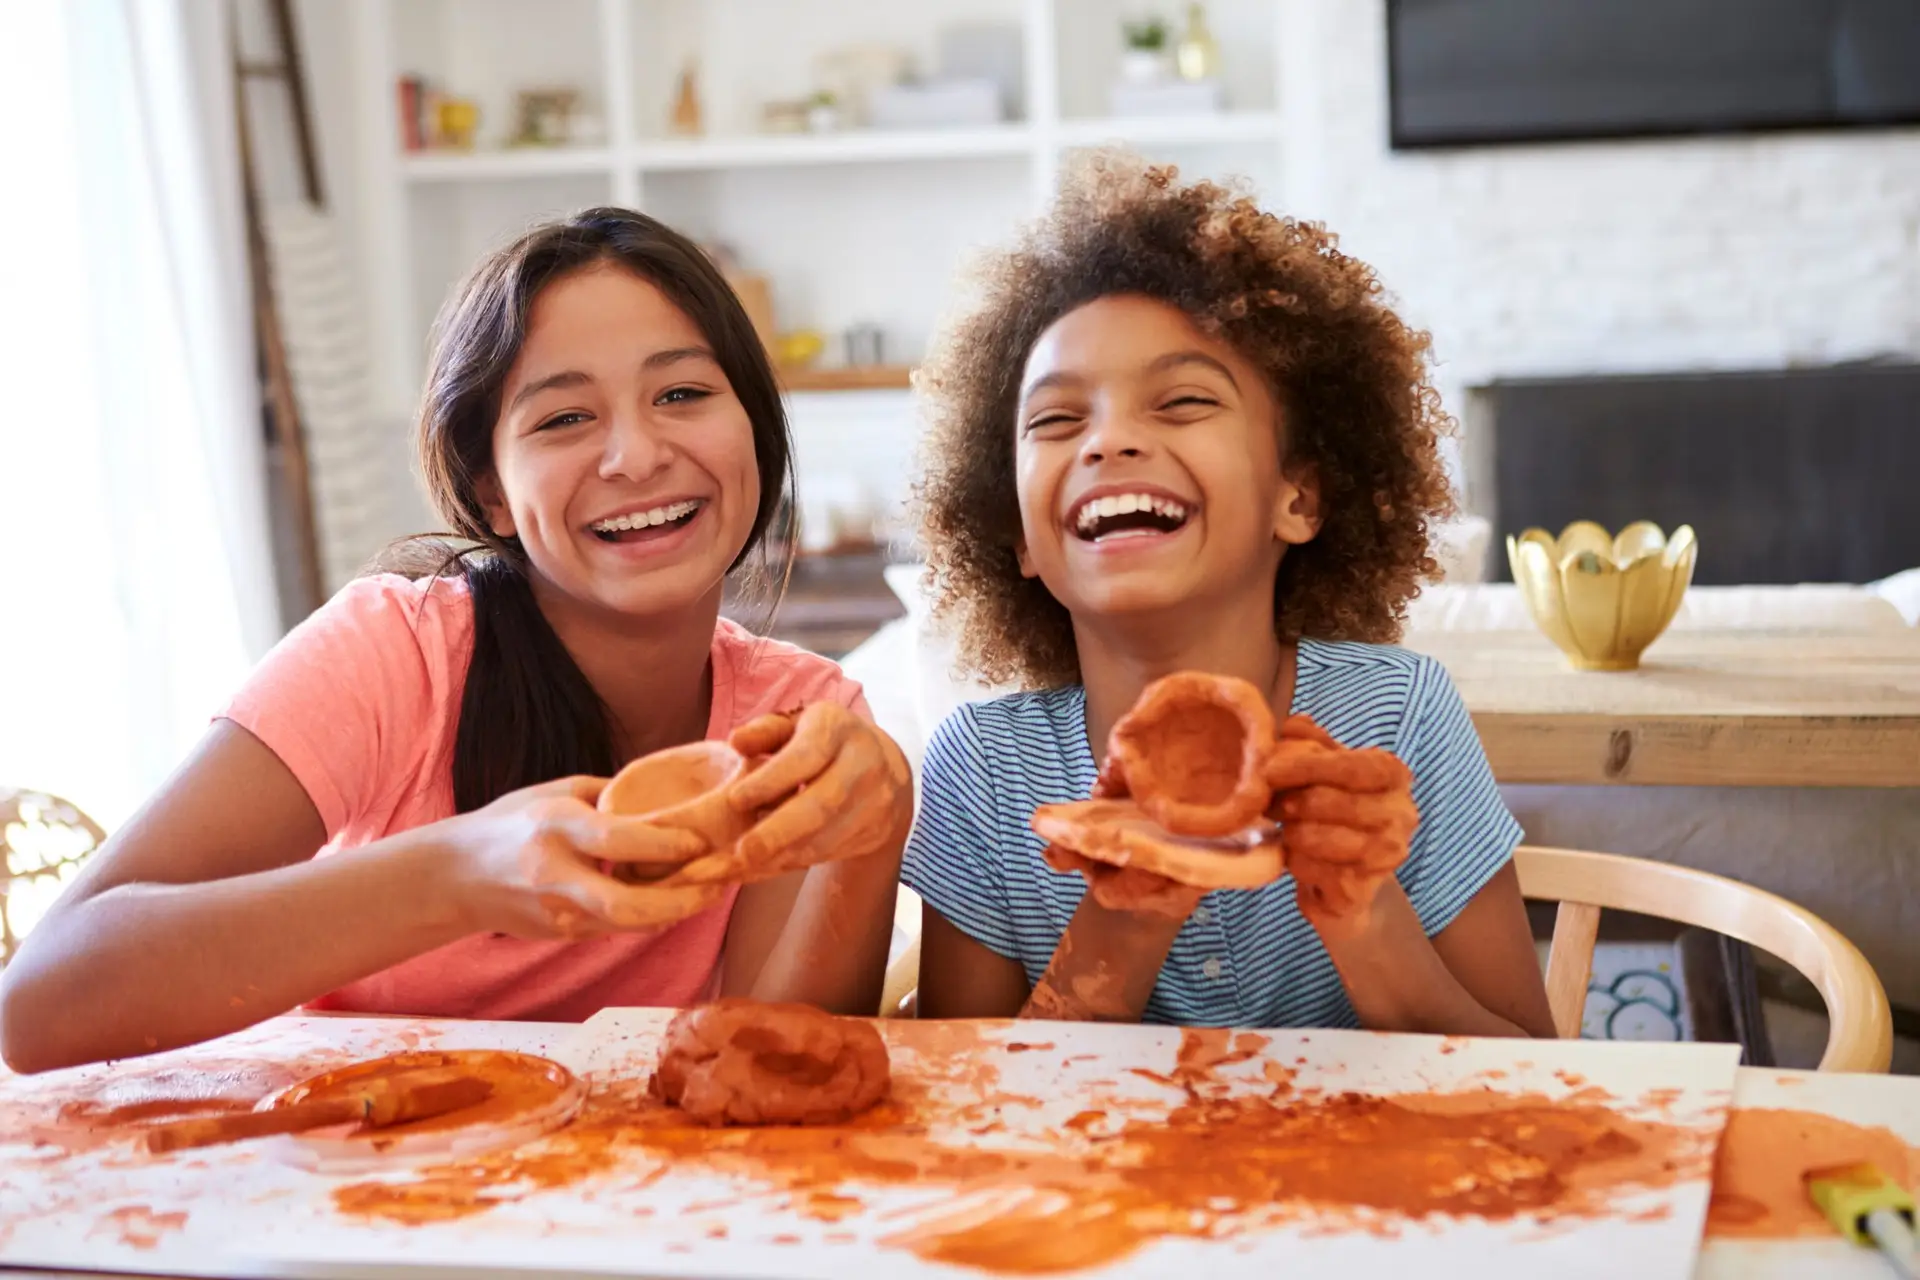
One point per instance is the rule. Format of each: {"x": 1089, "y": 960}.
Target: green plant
{"x": 1148, "y": 34}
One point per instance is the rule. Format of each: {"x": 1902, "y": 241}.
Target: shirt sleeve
{"x": 952, "y": 860}
{"x": 342, "y": 699}
{"x": 1466, "y": 833}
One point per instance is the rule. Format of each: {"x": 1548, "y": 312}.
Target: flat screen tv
{"x": 1471, "y": 72}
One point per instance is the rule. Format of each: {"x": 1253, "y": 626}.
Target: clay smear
{"x": 1214, "y": 1161}
{"x": 1757, "y": 1189}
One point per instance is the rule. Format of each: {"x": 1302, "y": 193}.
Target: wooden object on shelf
{"x": 287, "y": 437}
{"x": 1706, "y": 708}
{"x": 883, "y": 377}
{"x": 1860, "y": 1035}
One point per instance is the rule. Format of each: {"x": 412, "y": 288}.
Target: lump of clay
{"x": 1196, "y": 777}
{"x": 747, "y": 1062}
{"x": 684, "y": 788}
{"x": 1193, "y": 753}
{"x": 1183, "y": 790}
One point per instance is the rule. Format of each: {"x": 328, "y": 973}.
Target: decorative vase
{"x": 1603, "y": 599}
{"x": 1143, "y": 66}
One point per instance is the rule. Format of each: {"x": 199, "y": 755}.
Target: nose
{"x": 633, "y": 450}
{"x": 1113, "y": 432}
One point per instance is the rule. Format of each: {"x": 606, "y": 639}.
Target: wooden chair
{"x": 1860, "y": 1028}
{"x": 41, "y": 837}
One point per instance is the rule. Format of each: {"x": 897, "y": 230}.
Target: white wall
{"x": 1571, "y": 258}
{"x": 1648, "y": 256}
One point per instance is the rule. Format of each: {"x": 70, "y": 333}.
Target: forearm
{"x": 143, "y": 966}
{"x": 1104, "y": 967}
{"x": 832, "y": 950}
{"x": 1398, "y": 982}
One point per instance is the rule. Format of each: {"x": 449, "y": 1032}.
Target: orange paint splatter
{"x": 1757, "y": 1190}
{"x": 139, "y": 1227}
{"x": 1217, "y": 1164}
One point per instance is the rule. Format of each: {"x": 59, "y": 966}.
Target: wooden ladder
{"x": 286, "y": 441}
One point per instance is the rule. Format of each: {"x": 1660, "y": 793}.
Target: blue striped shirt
{"x": 1246, "y": 959}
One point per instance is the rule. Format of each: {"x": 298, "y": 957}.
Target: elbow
{"x": 29, "y": 1043}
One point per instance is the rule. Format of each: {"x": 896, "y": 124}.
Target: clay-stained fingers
{"x": 1126, "y": 888}
{"x": 763, "y": 735}
{"x": 1333, "y": 845}
{"x": 819, "y": 736}
{"x": 803, "y": 816}
{"x": 1303, "y": 763}
{"x": 1111, "y": 782}
{"x": 1389, "y": 813}
{"x": 581, "y": 902}
{"x": 1304, "y": 729}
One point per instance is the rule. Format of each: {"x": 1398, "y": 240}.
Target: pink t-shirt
{"x": 361, "y": 702}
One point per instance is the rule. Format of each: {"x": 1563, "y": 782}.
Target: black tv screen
{"x": 1465, "y": 72}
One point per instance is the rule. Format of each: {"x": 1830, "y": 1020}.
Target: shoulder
{"x": 381, "y": 629}
{"x": 771, "y": 675}
{"x": 1034, "y": 724}
{"x": 1370, "y": 695}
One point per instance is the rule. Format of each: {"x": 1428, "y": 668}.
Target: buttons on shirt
{"x": 1212, "y": 967}
{"x": 1201, "y": 915}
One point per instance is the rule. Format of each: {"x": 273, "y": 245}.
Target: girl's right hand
{"x": 527, "y": 865}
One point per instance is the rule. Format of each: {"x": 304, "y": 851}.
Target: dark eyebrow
{"x": 1060, "y": 378}
{"x": 575, "y": 378}
{"x": 565, "y": 378}
{"x": 1174, "y": 359}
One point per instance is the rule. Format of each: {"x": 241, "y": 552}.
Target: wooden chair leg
{"x": 1570, "y": 965}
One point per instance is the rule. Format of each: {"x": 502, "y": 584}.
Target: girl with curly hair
{"x": 1175, "y": 432}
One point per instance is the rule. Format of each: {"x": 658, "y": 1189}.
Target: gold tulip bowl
{"x": 1603, "y": 598}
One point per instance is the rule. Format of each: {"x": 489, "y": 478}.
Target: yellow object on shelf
{"x": 798, "y": 349}
{"x": 1603, "y": 599}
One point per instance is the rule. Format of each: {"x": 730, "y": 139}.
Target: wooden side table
{"x": 1706, "y": 708}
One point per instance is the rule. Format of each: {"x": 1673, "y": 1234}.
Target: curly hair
{"x": 1358, "y": 409}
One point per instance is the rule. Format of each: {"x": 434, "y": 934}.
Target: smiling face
{"x": 622, "y": 459}
{"x": 1148, "y": 459}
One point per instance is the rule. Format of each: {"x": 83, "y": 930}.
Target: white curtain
{"x": 136, "y": 577}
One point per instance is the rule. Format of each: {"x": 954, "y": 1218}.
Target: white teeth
{"x": 1098, "y": 509}
{"x": 645, "y": 519}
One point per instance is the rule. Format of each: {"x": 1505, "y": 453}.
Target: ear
{"x": 1025, "y": 561}
{"x": 494, "y": 504}
{"x": 1296, "y": 509}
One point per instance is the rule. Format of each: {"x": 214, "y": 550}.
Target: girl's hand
{"x": 836, "y": 785}
{"x": 1347, "y": 819}
{"x": 525, "y": 865}
{"x": 1127, "y": 889}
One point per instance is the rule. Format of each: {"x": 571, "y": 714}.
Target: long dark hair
{"x": 528, "y": 714}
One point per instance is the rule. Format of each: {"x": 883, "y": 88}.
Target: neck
{"x": 654, "y": 674}
{"x": 1121, "y": 656}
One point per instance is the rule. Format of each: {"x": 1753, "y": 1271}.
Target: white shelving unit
{"x": 851, "y": 227}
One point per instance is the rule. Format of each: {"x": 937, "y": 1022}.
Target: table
{"x": 1706, "y": 708}
{"x": 1890, "y": 1101}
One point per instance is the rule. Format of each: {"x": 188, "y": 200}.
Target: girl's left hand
{"x": 1347, "y": 820}
{"x": 837, "y": 785}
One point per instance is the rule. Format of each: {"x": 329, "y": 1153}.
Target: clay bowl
{"x": 684, "y": 788}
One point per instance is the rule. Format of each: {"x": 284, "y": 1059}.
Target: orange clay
{"x": 523, "y": 1085}
{"x": 1193, "y": 752}
{"x": 1346, "y": 816}
{"x": 749, "y": 1062}
{"x": 1757, "y": 1188}
{"x": 684, "y": 788}
{"x": 1214, "y": 1165}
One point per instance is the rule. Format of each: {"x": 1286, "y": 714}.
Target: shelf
{"x": 519, "y": 162}
{"x": 850, "y": 147}
{"x": 881, "y": 377}
{"x": 1225, "y": 126}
